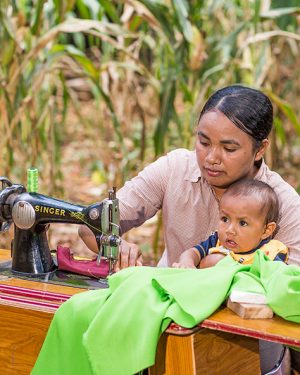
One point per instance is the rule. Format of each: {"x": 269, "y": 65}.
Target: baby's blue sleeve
{"x": 282, "y": 257}
{"x": 203, "y": 247}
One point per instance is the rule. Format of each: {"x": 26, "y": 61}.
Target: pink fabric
{"x": 189, "y": 207}
{"x": 66, "y": 262}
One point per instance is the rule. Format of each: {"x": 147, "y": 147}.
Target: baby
{"x": 248, "y": 215}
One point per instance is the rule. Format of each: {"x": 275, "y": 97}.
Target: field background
{"x": 91, "y": 91}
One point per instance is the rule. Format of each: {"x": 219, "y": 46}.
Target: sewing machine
{"x": 31, "y": 214}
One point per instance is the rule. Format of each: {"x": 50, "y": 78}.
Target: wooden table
{"x": 222, "y": 344}
{"x": 26, "y": 310}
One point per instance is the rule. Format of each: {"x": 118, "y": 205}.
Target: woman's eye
{"x": 224, "y": 219}
{"x": 230, "y": 149}
{"x": 243, "y": 223}
{"x": 204, "y": 143}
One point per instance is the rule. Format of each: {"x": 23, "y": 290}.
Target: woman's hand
{"x": 88, "y": 238}
{"x": 130, "y": 255}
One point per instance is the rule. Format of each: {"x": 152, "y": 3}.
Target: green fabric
{"x": 115, "y": 331}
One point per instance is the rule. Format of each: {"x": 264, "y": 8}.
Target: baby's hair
{"x": 260, "y": 191}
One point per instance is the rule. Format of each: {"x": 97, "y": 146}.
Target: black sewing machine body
{"x": 31, "y": 214}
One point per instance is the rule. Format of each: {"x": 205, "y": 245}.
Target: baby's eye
{"x": 243, "y": 223}
{"x": 224, "y": 219}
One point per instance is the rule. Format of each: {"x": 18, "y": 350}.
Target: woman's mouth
{"x": 213, "y": 173}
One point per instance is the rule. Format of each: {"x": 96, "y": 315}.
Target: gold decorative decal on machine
{"x": 50, "y": 210}
{"x": 77, "y": 215}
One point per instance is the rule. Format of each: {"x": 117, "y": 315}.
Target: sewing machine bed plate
{"x": 57, "y": 277}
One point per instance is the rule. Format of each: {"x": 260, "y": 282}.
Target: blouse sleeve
{"x": 141, "y": 197}
{"x": 289, "y": 228}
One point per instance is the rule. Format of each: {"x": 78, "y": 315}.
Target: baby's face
{"x": 242, "y": 223}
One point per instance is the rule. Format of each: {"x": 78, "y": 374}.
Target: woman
{"x": 231, "y": 139}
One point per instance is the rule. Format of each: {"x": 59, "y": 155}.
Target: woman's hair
{"x": 259, "y": 191}
{"x": 249, "y": 109}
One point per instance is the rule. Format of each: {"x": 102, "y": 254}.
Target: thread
{"x": 32, "y": 180}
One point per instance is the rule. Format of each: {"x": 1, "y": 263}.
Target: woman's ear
{"x": 269, "y": 230}
{"x": 262, "y": 149}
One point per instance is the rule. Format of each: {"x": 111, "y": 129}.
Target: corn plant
{"x": 132, "y": 76}
{"x": 177, "y": 52}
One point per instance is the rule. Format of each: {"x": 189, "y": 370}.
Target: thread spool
{"x": 32, "y": 180}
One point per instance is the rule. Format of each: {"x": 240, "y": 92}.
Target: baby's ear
{"x": 269, "y": 230}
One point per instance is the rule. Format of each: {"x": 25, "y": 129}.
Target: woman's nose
{"x": 213, "y": 156}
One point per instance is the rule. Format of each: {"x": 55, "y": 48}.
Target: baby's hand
{"x": 210, "y": 260}
{"x": 183, "y": 265}
{"x": 188, "y": 259}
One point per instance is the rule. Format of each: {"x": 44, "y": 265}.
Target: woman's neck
{"x": 219, "y": 191}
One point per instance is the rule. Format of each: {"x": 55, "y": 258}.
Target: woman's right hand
{"x": 130, "y": 255}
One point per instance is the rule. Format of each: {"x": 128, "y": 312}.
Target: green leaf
{"x": 110, "y": 10}
{"x": 181, "y": 8}
{"x": 7, "y": 53}
{"x": 278, "y": 12}
{"x": 86, "y": 64}
{"x": 228, "y": 44}
{"x": 59, "y": 7}
{"x": 285, "y": 108}
{"x": 83, "y": 9}
{"x": 115, "y": 121}
{"x": 261, "y": 61}
{"x": 279, "y": 129}
{"x": 37, "y": 18}
{"x": 212, "y": 70}
{"x": 6, "y": 24}
{"x": 94, "y": 8}
{"x": 256, "y": 15}
{"x": 163, "y": 16}
{"x": 166, "y": 113}
{"x": 79, "y": 40}
{"x": 73, "y": 50}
